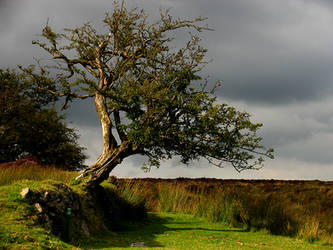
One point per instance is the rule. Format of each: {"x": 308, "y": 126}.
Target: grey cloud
{"x": 269, "y": 53}
{"x": 300, "y": 130}
{"x": 316, "y": 149}
{"x": 320, "y": 3}
{"x": 83, "y": 113}
{"x": 283, "y": 59}
{"x": 264, "y": 53}
{"x": 288, "y": 82}
{"x": 90, "y": 138}
{"x": 7, "y": 13}
{"x": 3, "y": 4}
{"x": 282, "y": 168}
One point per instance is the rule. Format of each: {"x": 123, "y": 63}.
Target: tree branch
{"x": 122, "y": 135}
{"x": 69, "y": 95}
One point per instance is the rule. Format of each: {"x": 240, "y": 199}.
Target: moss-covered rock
{"x": 73, "y": 213}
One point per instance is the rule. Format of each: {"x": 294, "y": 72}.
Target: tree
{"x": 148, "y": 94}
{"x": 30, "y": 126}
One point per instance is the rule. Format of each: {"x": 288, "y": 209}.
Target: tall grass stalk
{"x": 131, "y": 192}
{"x": 175, "y": 200}
{"x": 310, "y": 230}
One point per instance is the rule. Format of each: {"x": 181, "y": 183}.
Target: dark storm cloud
{"x": 3, "y": 3}
{"x": 292, "y": 81}
{"x": 273, "y": 53}
{"x": 301, "y": 131}
{"x": 266, "y": 52}
{"x": 82, "y": 112}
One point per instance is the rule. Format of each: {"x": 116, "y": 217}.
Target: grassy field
{"x": 302, "y": 209}
{"x": 186, "y": 213}
{"x": 180, "y": 231}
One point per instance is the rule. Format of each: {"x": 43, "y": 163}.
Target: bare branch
{"x": 69, "y": 96}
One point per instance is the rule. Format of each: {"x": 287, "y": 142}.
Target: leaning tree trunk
{"x": 101, "y": 169}
{"x": 112, "y": 154}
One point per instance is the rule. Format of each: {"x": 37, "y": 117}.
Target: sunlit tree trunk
{"x": 112, "y": 154}
{"x": 107, "y": 161}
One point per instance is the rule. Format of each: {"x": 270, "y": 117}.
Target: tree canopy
{"x": 148, "y": 93}
{"x": 30, "y": 126}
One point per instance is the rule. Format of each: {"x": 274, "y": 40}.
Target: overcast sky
{"x": 275, "y": 58}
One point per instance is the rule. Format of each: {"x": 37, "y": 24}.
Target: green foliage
{"x": 150, "y": 91}
{"x": 30, "y": 126}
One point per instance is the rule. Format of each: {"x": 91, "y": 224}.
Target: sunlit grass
{"x": 181, "y": 231}
{"x": 298, "y": 209}
{"x": 18, "y": 229}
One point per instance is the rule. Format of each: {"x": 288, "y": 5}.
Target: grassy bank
{"x": 19, "y": 230}
{"x": 302, "y": 209}
{"x": 19, "y": 223}
{"x": 40, "y": 220}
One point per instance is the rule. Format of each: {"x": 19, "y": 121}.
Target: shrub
{"x": 30, "y": 126}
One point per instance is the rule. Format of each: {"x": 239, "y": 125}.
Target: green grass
{"x": 20, "y": 222}
{"x": 301, "y": 209}
{"x": 179, "y": 231}
{"x": 229, "y": 215}
{"x": 18, "y": 229}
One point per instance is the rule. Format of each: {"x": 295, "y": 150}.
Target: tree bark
{"x": 113, "y": 154}
{"x": 101, "y": 169}
{"x": 109, "y": 142}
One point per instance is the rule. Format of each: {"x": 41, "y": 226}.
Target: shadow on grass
{"x": 208, "y": 229}
{"x": 146, "y": 232}
{"x": 132, "y": 233}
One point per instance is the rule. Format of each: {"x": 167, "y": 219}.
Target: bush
{"x": 30, "y": 126}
